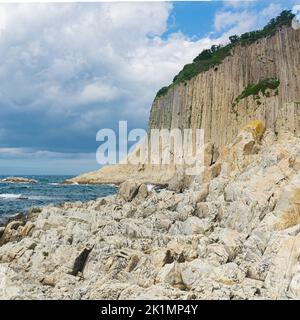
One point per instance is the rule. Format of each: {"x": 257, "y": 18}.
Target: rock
{"x": 18, "y": 180}
{"x": 34, "y": 210}
{"x": 294, "y": 287}
{"x": 217, "y": 254}
{"x": 201, "y": 195}
{"x": 27, "y": 229}
{"x": 11, "y": 232}
{"x": 216, "y": 170}
{"x": 107, "y": 290}
{"x": 195, "y": 271}
{"x": 128, "y": 190}
{"x": 179, "y": 182}
{"x": 48, "y": 281}
{"x": 8, "y": 289}
{"x": 294, "y": 162}
{"x": 143, "y": 191}
{"x": 192, "y": 225}
{"x": 1, "y": 231}
{"x": 288, "y": 206}
{"x": 80, "y": 261}
{"x": 232, "y": 241}
{"x": 196, "y": 103}
{"x": 283, "y": 275}
{"x": 208, "y": 154}
{"x": 228, "y": 274}
{"x": 202, "y": 210}
{"x": 181, "y": 251}
{"x": 171, "y": 274}
{"x": 256, "y": 128}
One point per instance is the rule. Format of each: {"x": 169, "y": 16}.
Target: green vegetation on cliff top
{"x": 214, "y": 56}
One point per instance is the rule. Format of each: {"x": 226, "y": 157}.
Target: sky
{"x": 69, "y": 70}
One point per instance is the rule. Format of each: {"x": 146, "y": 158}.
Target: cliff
{"x": 256, "y": 81}
{"x": 208, "y": 100}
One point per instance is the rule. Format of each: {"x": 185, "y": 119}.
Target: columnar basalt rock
{"x": 209, "y": 101}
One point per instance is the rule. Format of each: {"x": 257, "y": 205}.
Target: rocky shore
{"x": 233, "y": 236}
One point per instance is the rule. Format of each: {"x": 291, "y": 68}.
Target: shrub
{"x": 255, "y": 89}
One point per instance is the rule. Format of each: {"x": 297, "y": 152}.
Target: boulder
{"x": 288, "y": 206}
{"x": 11, "y": 232}
{"x": 193, "y": 225}
{"x": 128, "y": 190}
{"x": 217, "y": 254}
{"x": 179, "y": 182}
{"x": 232, "y": 241}
{"x": 195, "y": 271}
{"x": 202, "y": 210}
{"x": 171, "y": 274}
{"x": 143, "y": 191}
{"x": 283, "y": 276}
{"x": 228, "y": 274}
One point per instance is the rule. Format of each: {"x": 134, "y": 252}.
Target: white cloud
{"x": 234, "y": 22}
{"x": 98, "y": 92}
{"x": 240, "y": 17}
{"x": 237, "y": 20}
{"x": 273, "y": 10}
{"x": 69, "y": 69}
{"x": 238, "y": 3}
{"x": 296, "y": 11}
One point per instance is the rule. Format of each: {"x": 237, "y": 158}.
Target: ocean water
{"x": 18, "y": 198}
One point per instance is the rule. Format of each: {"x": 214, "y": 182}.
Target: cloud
{"x": 240, "y": 17}
{"x": 98, "y": 92}
{"x": 296, "y": 11}
{"x": 239, "y": 4}
{"x": 237, "y": 21}
{"x": 66, "y": 66}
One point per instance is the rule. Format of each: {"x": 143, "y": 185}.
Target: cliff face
{"x": 207, "y": 100}
{"x": 223, "y": 100}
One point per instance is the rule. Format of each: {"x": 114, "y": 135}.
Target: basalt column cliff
{"x": 256, "y": 77}
{"x": 210, "y": 100}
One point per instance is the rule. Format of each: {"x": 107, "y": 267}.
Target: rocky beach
{"x": 234, "y": 237}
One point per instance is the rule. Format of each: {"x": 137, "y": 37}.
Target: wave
{"x": 49, "y": 198}
{"x": 13, "y": 196}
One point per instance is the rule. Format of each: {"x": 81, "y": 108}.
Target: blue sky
{"x": 68, "y": 70}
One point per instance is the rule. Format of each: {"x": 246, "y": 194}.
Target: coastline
{"x": 225, "y": 239}
{"x": 16, "y": 197}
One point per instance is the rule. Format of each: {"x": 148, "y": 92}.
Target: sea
{"x": 18, "y": 198}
